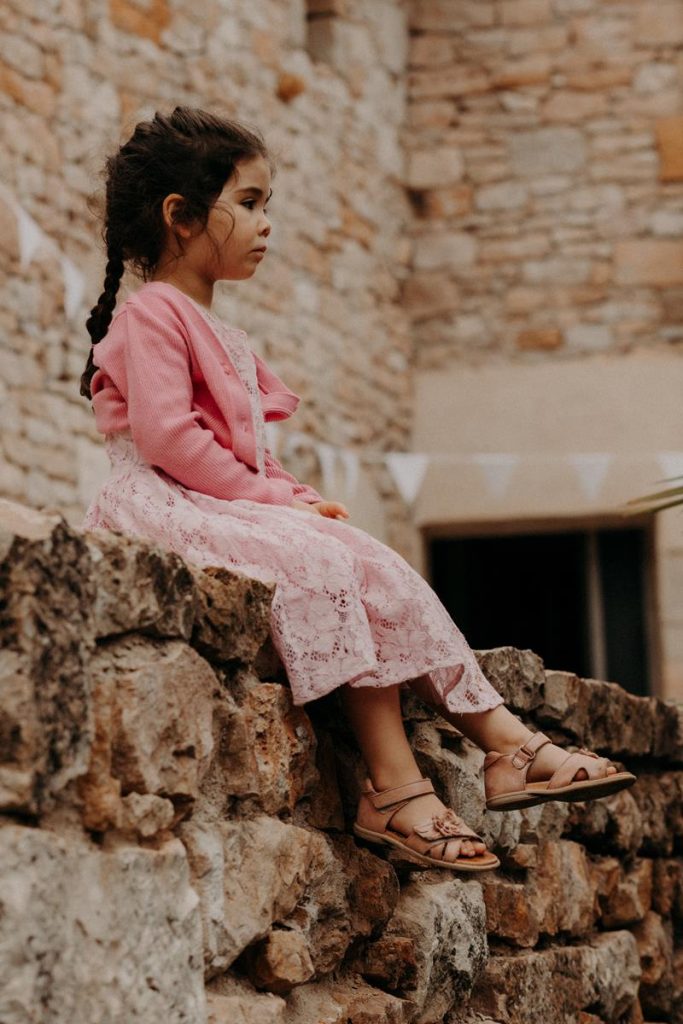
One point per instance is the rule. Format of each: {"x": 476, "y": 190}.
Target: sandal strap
{"x": 399, "y": 794}
{"x": 525, "y": 754}
{"x": 594, "y": 766}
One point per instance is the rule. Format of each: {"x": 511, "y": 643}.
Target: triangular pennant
{"x": 591, "y": 468}
{"x": 273, "y": 438}
{"x": 351, "y": 468}
{"x": 327, "y": 458}
{"x": 407, "y": 471}
{"x": 497, "y": 468}
{"x": 74, "y": 286}
{"x": 671, "y": 464}
{"x": 31, "y": 236}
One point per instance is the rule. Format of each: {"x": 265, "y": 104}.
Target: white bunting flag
{"x": 407, "y": 471}
{"x": 671, "y": 464}
{"x": 273, "y": 438}
{"x": 591, "y": 468}
{"x": 31, "y": 236}
{"x": 497, "y": 468}
{"x": 351, "y": 468}
{"x": 327, "y": 458}
{"x": 74, "y": 286}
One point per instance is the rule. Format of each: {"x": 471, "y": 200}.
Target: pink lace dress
{"x": 347, "y": 608}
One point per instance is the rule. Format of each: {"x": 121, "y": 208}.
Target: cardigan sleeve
{"x": 165, "y": 428}
{"x": 302, "y": 492}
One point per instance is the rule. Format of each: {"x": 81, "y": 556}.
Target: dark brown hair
{"x": 191, "y": 152}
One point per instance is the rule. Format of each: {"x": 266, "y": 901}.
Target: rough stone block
{"x": 265, "y": 752}
{"x": 539, "y": 340}
{"x": 145, "y": 742}
{"x": 342, "y": 1001}
{"x": 655, "y": 262}
{"x": 669, "y": 132}
{"x": 255, "y": 873}
{"x": 517, "y": 675}
{"x": 612, "y": 824}
{"x": 280, "y": 962}
{"x": 139, "y": 587}
{"x": 522, "y": 988}
{"x": 46, "y": 637}
{"x": 435, "y": 168}
{"x": 88, "y": 935}
{"x": 236, "y": 1003}
{"x": 601, "y": 716}
{"x": 558, "y": 896}
{"x": 628, "y": 900}
{"x": 547, "y": 151}
{"x": 444, "y": 920}
{"x": 233, "y": 615}
{"x": 655, "y": 947}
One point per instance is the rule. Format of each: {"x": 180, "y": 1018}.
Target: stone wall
{"x": 328, "y": 93}
{"x": 546, "y": 165}
{"x": 174, "y": 832}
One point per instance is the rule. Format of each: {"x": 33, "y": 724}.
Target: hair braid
{"x": 101, "y": 314}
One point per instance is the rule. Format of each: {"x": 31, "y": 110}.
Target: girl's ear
{"x": 170, "y": 208}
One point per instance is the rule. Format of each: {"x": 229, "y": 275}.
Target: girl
{"x": 182, "y": 402}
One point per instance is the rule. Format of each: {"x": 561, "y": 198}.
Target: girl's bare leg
{"x": 375, "y": 716}
{"x": 497, "y": 729}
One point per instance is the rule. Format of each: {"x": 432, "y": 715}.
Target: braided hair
{"x": 191, "y": 152}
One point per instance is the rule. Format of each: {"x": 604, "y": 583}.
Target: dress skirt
{"x": 347, "y": 608}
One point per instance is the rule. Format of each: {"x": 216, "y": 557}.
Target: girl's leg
{"x": 497, "y": 729}
{"x": 375, "y": 716}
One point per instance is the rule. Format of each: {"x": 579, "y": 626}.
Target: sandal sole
{"x": 587, "y": 789}
{"x": 430, "y": 862}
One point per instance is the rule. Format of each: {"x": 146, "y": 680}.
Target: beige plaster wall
{"x": 626, "y": 407}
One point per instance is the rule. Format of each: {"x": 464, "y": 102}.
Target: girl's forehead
{"x": 250, "y": 174}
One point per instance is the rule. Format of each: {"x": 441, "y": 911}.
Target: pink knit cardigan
{"x": 164, "y": 375}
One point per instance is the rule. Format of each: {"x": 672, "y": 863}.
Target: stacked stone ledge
{"x": 173, "y": 834}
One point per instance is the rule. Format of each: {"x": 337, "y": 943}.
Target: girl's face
{"x": 238, "y": 223}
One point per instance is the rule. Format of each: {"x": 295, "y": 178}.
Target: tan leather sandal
{"x": 506, "y": 786}
{"x": 427, "y": 842}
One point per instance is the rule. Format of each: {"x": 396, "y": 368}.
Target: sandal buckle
{"x": 524, "y": 755}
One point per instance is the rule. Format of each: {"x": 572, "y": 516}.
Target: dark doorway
{"x": 576, "y": 598}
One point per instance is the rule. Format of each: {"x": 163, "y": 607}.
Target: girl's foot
{"x": 523, "y": 775}
{"x": 411, "y": 818}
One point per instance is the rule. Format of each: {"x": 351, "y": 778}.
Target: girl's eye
{"x": 246, "y": 202}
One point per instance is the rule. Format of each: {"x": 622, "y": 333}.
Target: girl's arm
{"x": 157, "y": 387}
{"x": 302, "y": 492}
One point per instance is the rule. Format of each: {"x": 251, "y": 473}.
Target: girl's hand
{"x": 330, "y": 509}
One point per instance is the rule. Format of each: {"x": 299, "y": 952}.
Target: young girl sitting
{"x": 182, "y": 402}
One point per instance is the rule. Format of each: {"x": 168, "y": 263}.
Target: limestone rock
{"x": 265, "y": 752}
{"x": 655, "y": 947}
{"x": 611, "y": 824}
{"x": 444, "y": 921}
{"x": 255, "y": 873}
{"x": 243, "y": 1006}
{"x": 343, "y": 1001}
{"x": 88, "y": 935}
{"x": 628, "y": 900}
{"x": 667, "y": 887}
{"x": 603, "y": 716}
{"x": 146, "y": 742}
{"x": 139, "y": 587}
{"x": 46, "y": 637}
{"x": 233, "y": 615}
{"x": 522, "y": 988}
{"x": 280, "y": 962}
{"x": 557, "y": 897}
{"x": 517, "y": 675}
